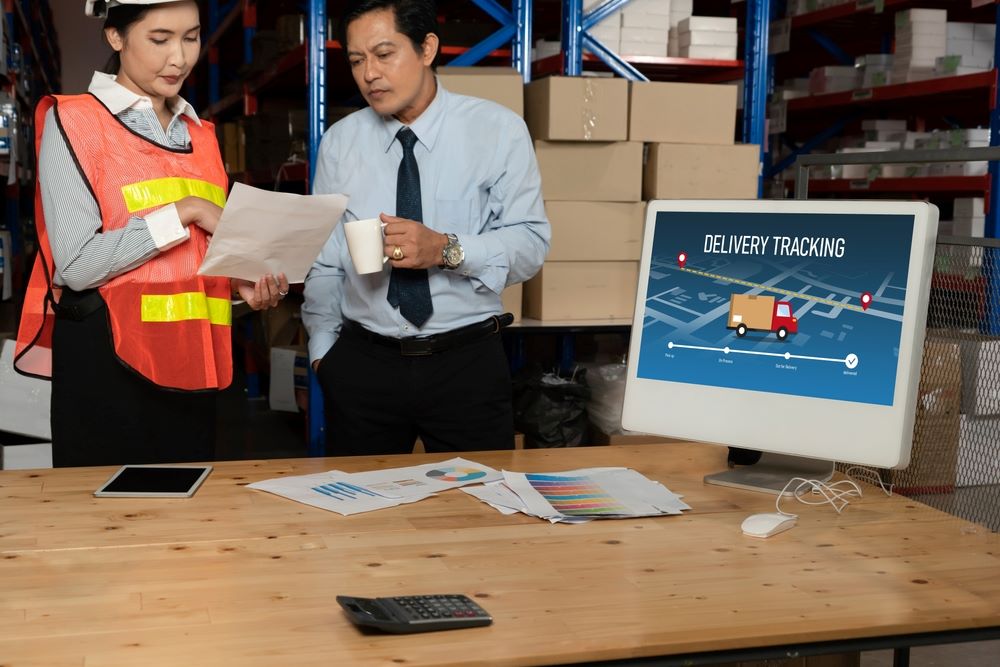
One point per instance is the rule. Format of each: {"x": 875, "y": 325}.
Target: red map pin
{"x": 682, "y": 259}
{"x": 866, "y": 300}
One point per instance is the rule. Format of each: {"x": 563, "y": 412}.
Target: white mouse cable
{"x": 836, "y": 494}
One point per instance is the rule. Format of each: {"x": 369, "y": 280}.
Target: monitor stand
{"x": 772, "y": 472}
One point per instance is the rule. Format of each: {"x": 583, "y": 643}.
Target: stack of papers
{"x": 577, "y": 496}
{"x": 353, "y": 493}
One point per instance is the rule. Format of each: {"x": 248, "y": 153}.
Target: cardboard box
{"x": 512, "y": 300}
{"x": 978, "y": 451}
{"x": 26, "y": 457}
{"x": 683, "y": 113}
{"x": 583, "y": 231}
{"x": 934, "y": 453}
{"x": 608, "y": 171}
{"x": 690, "y": 171}
{"x": 574, "y": 108}
{"x": 708, "y": 38}
{"x": 502, "y": 85}
{"x": 582, "y": 291}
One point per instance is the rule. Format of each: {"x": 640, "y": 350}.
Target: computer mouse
{"x": 766, "y": 525}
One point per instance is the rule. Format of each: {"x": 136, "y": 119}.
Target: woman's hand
{"x": 265, "y": 293}
{"x": 200, "y": 212}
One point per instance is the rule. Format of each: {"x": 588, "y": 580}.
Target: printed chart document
{"x": 353, "y": 493}
{"x": 575, "y": 496}
{"x": 271, "y": 232}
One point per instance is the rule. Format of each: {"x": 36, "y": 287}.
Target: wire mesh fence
{"x": 955, "y": 462}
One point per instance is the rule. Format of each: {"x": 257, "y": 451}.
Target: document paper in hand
{"x": 271, "y": 232}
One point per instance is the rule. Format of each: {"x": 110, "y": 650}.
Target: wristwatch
{"x": 453, "y": 255}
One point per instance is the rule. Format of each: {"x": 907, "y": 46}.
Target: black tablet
{"x": 154, "y": 481}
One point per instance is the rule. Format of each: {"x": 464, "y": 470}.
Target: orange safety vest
{"x": 168, "y": 324}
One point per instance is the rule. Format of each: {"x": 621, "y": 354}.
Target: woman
{"x": 130, "y": 188}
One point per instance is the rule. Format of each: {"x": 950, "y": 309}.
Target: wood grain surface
{"x": 235, "y": 576}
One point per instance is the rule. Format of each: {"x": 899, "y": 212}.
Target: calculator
{"x": 415, "y": 613}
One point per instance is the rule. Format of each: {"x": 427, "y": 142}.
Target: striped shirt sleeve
{"x": 84, "y": 256}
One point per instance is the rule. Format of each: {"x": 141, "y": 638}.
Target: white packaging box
{"x": 24, "y": 401}
{"x": 646, "y": 35}
{"x": 896, "y": 137}
{"x": 978, "y": 451}
{"x": 974, "y": 227}
{"x": 780, "y": 38}
{"x": 910, "y": 142}
{"x": 954, "y": 62}
{"x": 874, "y": 60}
{"x": 960, "y": 47}
{"x": 922, "y": 43}
{"x": 633, "y": 19}
{"x": 980, "y": 381}
{"x": 615, "y": 20}
{"x": 969, "y": 207}
{"x": 913, "y": 16}
{"x": 855, "y": 171}
{"x": 984, "y": 32}
{"x": 873, "y": 77}
{"x": 546, "y": 48}
{"x": 699, "y": 23}
{"x": 922, "y": 31}
{"x": 653, "y": 7}
{"x": 702, "y": 52}
{"x": 882, "y": 145}
{"x": 642, "y": 49}
{"x": 676, "y": 18}
{"x": 903, "y": 170}
{"x": 908, "y": 74}
{"x": 26, "y": 457}
{"x": 681, "y": 6}
{"x": 959, "y": 169}
{"x": 982, "y": 49}
{"x": 960, "y": 31}
{"x": 673, "y": 49}
{"x": 883, "y": 125}
{"x": 708, "y": 38}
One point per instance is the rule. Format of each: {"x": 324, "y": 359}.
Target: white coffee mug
{"x": 365, "y": 241}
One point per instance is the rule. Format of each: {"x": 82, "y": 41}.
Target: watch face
{"x": 453, "y": 255}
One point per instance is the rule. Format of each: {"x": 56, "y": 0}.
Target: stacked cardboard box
{"x": 690, "y": 130}
{"x": 833, "y": 79}
{"x": 921, "y": 38}
{"x": 709, "y": 37}
{"x": 591, "y": 180}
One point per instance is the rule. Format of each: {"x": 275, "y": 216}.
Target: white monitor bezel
{"x": 831, "y": 430}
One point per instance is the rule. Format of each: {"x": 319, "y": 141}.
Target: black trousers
{"x": 104, "y": 413}
{"x": 378, "y": 401}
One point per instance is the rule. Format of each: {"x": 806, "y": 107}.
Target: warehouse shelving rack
{"x": 966, "y": 100}
{"x": 34, "y": 52}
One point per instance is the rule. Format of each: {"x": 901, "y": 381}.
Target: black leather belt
{"x": 78, "y": 305}
{"x": 418, "y": 346}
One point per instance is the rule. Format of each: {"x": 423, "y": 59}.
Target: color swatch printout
{"x": 575, "y": 496}
{"x": 580, "y": 495}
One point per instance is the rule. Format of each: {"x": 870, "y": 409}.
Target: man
{"x": 415, "y": 350}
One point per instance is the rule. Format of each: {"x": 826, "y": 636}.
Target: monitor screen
{"x": 786, "y": 326}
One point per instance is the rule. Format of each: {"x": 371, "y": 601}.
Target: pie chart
{"x": 454, "y": 474}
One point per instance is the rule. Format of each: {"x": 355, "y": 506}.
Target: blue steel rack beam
{"x": 515, "y": 29}
{"x": 575, "y": 37}
{"x": 316, "y": 56}
{"x": 755, "y": 79}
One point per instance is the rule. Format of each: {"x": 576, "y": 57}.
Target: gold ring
{"x": 397, "y": 253}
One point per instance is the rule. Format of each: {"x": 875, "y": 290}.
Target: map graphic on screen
{"x": 805, "y": 304}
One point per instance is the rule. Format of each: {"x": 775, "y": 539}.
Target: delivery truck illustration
{"x": 753, "y": 312}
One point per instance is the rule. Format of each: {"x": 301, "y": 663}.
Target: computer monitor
{"x": 794, "y": 328}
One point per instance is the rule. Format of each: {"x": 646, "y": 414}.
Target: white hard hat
{"x": 99, "y": 8}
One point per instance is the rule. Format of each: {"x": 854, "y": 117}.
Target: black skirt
{"x": 104, "y": 413}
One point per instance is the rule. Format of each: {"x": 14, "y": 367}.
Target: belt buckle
{"x": 415, "y": 347}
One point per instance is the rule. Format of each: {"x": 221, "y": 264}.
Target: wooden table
{"x": 241, "y": 577}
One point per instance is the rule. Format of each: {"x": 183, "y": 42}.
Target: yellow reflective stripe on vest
{"x": 163, "y": 191}
{"x": 186, "y": 306}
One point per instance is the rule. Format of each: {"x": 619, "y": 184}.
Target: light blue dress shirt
{"x": 479, "y": 180}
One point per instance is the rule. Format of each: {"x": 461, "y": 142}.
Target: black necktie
{"x": 408, "y": 288}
